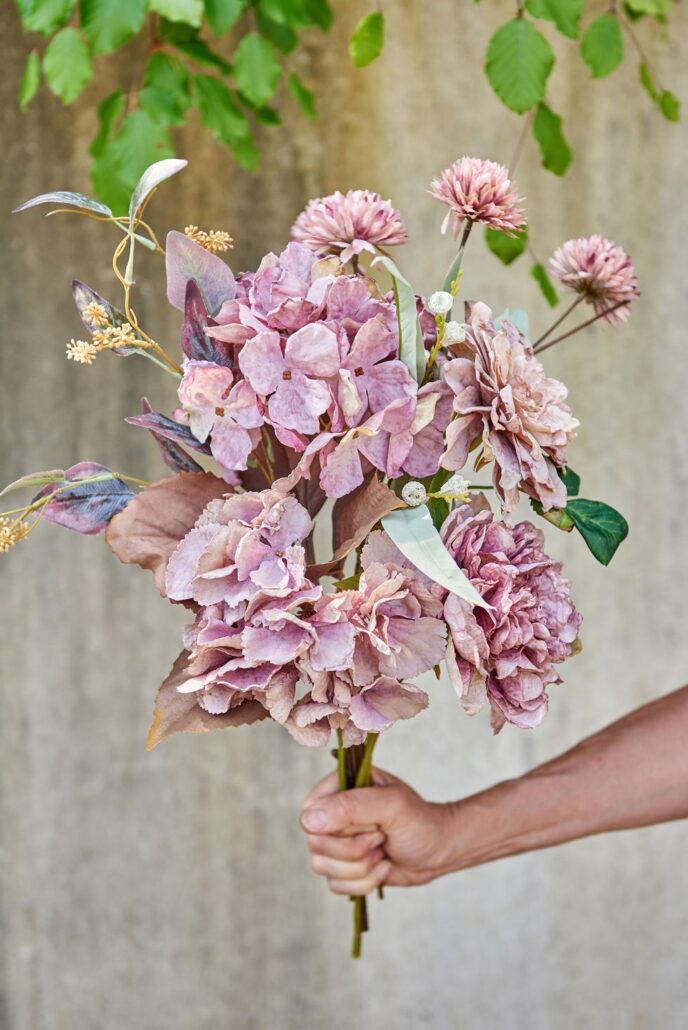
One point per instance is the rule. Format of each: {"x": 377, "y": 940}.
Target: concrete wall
{"x": 172, "y": 891}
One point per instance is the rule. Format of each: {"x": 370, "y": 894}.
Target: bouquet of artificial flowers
{"x": 322, "y": 375}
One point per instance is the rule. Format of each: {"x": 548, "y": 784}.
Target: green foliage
{"x": 256, "y": 69}
{"x": 138, "y": 143}
{"x": 189, "y": 12}
{"x": 108, "y": 24}
{"x": 368, "y": 39}
{"x": 667, "y": 102}
{"x": 555, "y": 151}
{"x": 571, "y": 481}
{"x": 222, "y": 117}
{"x": 303, "y": 96}
{"x": 539, "y": 274}
{"x": 602, "y": 45}
{"x": 30, "y": 80}
{"x": 656, "y": 7}
{"x": 67, "y": 65}
{"x": 223, "y": 14}
{"x": 45, "y": 16}
{"x": 506, "y": 248}
{"x": 566, "y": 14}
{"x": 602, "y": 527}
{"x": 518, "y": 62}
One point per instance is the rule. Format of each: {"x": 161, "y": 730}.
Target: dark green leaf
{"x": 281, "y": 36}
{"x": 256, "y": 69}
{"x": 67, "y": 65}
{"x": 518, "y": 62}
{"x": 222, "y": 14}
{"x": 368, "y": 39}
{"x": 266, "y": 115}
{"x": 555, "y": 151}
{"x": 45, "y": 16}
{"x": 631, "y": 14}
{"x": 139, "y": 142}
{"x": 566, "y": 14}
{"x": 110, "y": 23}
{"x": 602, "y": 45}
{"x": 571, "y": 481}
{"x": 350, "y": 583}
{"x": 437, "y": 506}
{"x": 189, "y": 12}
{"x": 319, "y": 13}
{"x": 109, "y": 110}
{"x": 670, "y": 106}
{"x": 506, "y": 248}
{"x": 223, "y": 118}
{"x": 187, "y": 41}
{"x": 602, "y": 527}
{"x": 303, "y": 96}
{"x": 539, "y": 274}
{"x": 30, "y": 80}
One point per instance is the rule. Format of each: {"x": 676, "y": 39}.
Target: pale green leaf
{"x": 256, "y": 69}
{"x": 368, "y": 39}
{"x": 222, "y": 14}
{"x": 506, "y": 248}
{"x": 411, "y": 348}
{"x": 517, "y": 317}
{"x": 670, "y": 106}
{"x": 555, "y": 151}
{"x": 110, "y": 23}
{"x": 34, "y": 479}
{"x": 189, "y": 12}
{"x": 45, "y": 16}
{"x": 414, "y": 533}
{"x": 566, "y": 14}
{"x": 67, "y": 65}
{"x": 303, "y": 96}
{"x": 30, "y": 80}
{"x": 518, "y": 62}
{"x": 602, "y": 45}
{"x": 655, "y": 7}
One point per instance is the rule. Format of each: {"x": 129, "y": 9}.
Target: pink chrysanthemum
{"x": 601, "y": 272}
{"x": 479, "y": 191}
{"x": 351, "y": 222}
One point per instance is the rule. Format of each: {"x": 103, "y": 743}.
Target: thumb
{"x": 350, "y": 811}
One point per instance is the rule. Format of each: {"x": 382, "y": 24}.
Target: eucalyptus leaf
{"x": 517, "y": 317}
{"x": 413, "y": 532}
{"x": 34, "y": 479}
{"x": 411, "y": 347}
{"x": 150, "y": 180}
{"x": 66, "y": 199}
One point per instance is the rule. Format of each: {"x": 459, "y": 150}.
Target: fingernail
{"x": 314, "y": 820}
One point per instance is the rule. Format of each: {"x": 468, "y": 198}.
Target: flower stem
{"x": 541, "y": 339}
{"x": 583, "y": 325}
{"x": 363, "y": 779}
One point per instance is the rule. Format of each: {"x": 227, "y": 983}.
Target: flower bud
{"x": 414, "y": 494}
{"x": 440, "y": 303}
{"x": 454, "y": 332}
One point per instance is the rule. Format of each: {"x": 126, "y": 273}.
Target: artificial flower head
{"x": 350, "y": 223}
{"x": 601, "y": 272}
{"x": 479, "y": 191}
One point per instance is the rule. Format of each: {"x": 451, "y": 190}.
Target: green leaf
{"x": 506, "y": 248}
{"x": 67, "y": 65}
{"x": 190, "y": 12}
{"x": 602, "y": 45}
{"x": 566, "y": 14}
{"x": 35, "y": 479}
{"x": 602, "y": 527}
{"x": 438, "y": 506}
{"x": 45, "y": 16}
{"x": 655, "y": 7}
{"x": 555, "y": 151}
{"x": 165, "y": 96}
{"x": 518, "y": 62}
{"x": 224, "y": 120}
{"x": 222, "y": 14}
{"x": 187, "y": 41}
{"x": 303, "y": 96}
{"x": 280, "y": 35}
{"x": 368, "y": 39}
{"x": 571, "y": 481}
{"x": 30, "y": 80}
{"x": 558, "y": 517}
{"x": 413, "y": 532}
{"x": 319, "y": 13}
{"x": 517, "y": 317}
{"x": 110, "y": 23}
{"x": 411, "y": 346}
{"x": 109, "y": 111}
{"x": 256, "y": 69}
{"x": 138, "y": 143}
{"x": 647, "y": 82}
{"x": 670, "y": 106}
{"x": 539, "y": 274}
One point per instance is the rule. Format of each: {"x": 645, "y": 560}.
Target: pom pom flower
{"x": 599, "y": 271}
{"x": 348, "y": 224}
{"x": 479, "y": 191}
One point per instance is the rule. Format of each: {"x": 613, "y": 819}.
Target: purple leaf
{"x": 160, "y": 425}
{"x": 185, "y": 260}
{"x": 63, "y": 198}
{"x": 196, "y": 343}
{"x": 86, "y": 507}
{"x": 151, "y": 179}
{"x": 172, "y": 454}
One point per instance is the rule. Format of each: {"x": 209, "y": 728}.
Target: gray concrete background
{"x": 172, "y": 891}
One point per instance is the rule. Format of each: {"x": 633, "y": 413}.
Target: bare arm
{"x": 633, "y": 773}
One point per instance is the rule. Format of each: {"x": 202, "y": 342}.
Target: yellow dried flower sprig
{"x": 108, "y": 338}
{"x": 12, "y": 531}
{"x": 216, "y": 241}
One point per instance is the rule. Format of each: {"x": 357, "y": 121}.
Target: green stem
{"x": 341, "y": 760}
{"x": 364, "y": 778}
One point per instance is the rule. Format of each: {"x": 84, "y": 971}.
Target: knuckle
{"x": 318, "y": 863}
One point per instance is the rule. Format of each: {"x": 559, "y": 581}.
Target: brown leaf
{"x": 179, "y": 713}
{"x": 354, "y": 517}
{"x": 152, "y": 524}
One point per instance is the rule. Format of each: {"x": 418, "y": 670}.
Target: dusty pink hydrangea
{"x": 503, "y": 397}
{"x": 601, "y": 272}
{"x": 348, "y": 224}
{"x": 506, "y": 655}
{"x": 479, "y": 191}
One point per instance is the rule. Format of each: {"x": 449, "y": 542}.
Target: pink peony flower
{"x": 350, "y": 223}
{"x": 506, "y": 655}
{"x": 601, "y": 272}
{"x": 501, "y": 393}
{"x": 479, "y": 191}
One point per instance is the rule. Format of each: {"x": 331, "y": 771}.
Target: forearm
{"x": 633, "y": 773}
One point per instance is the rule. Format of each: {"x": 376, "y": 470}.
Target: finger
{"x": 328, "y": 785}
{"x": 349, "y": 849}
{"x": 351, "y": 811}
{"x": 333, "y": 868}
{"x": 375, "y": 878}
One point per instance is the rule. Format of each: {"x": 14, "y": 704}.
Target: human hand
{"x": 362, "y": 838}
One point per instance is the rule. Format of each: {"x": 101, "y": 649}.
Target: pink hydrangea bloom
{"x": 506, "y": 655}
{"x": 349, "y": 223}
{"x": 501, "y": 393}
{"x": 479, "y": 191}
{"x": 601, "y": 272}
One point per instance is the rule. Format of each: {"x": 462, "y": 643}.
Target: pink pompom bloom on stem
{"x": 479, "y": 191}
{"x": 506, "y": 654}
{"x": 349, "y": 222}
{"x": 599, "y": 271}
{"x": 501, "y": 393}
